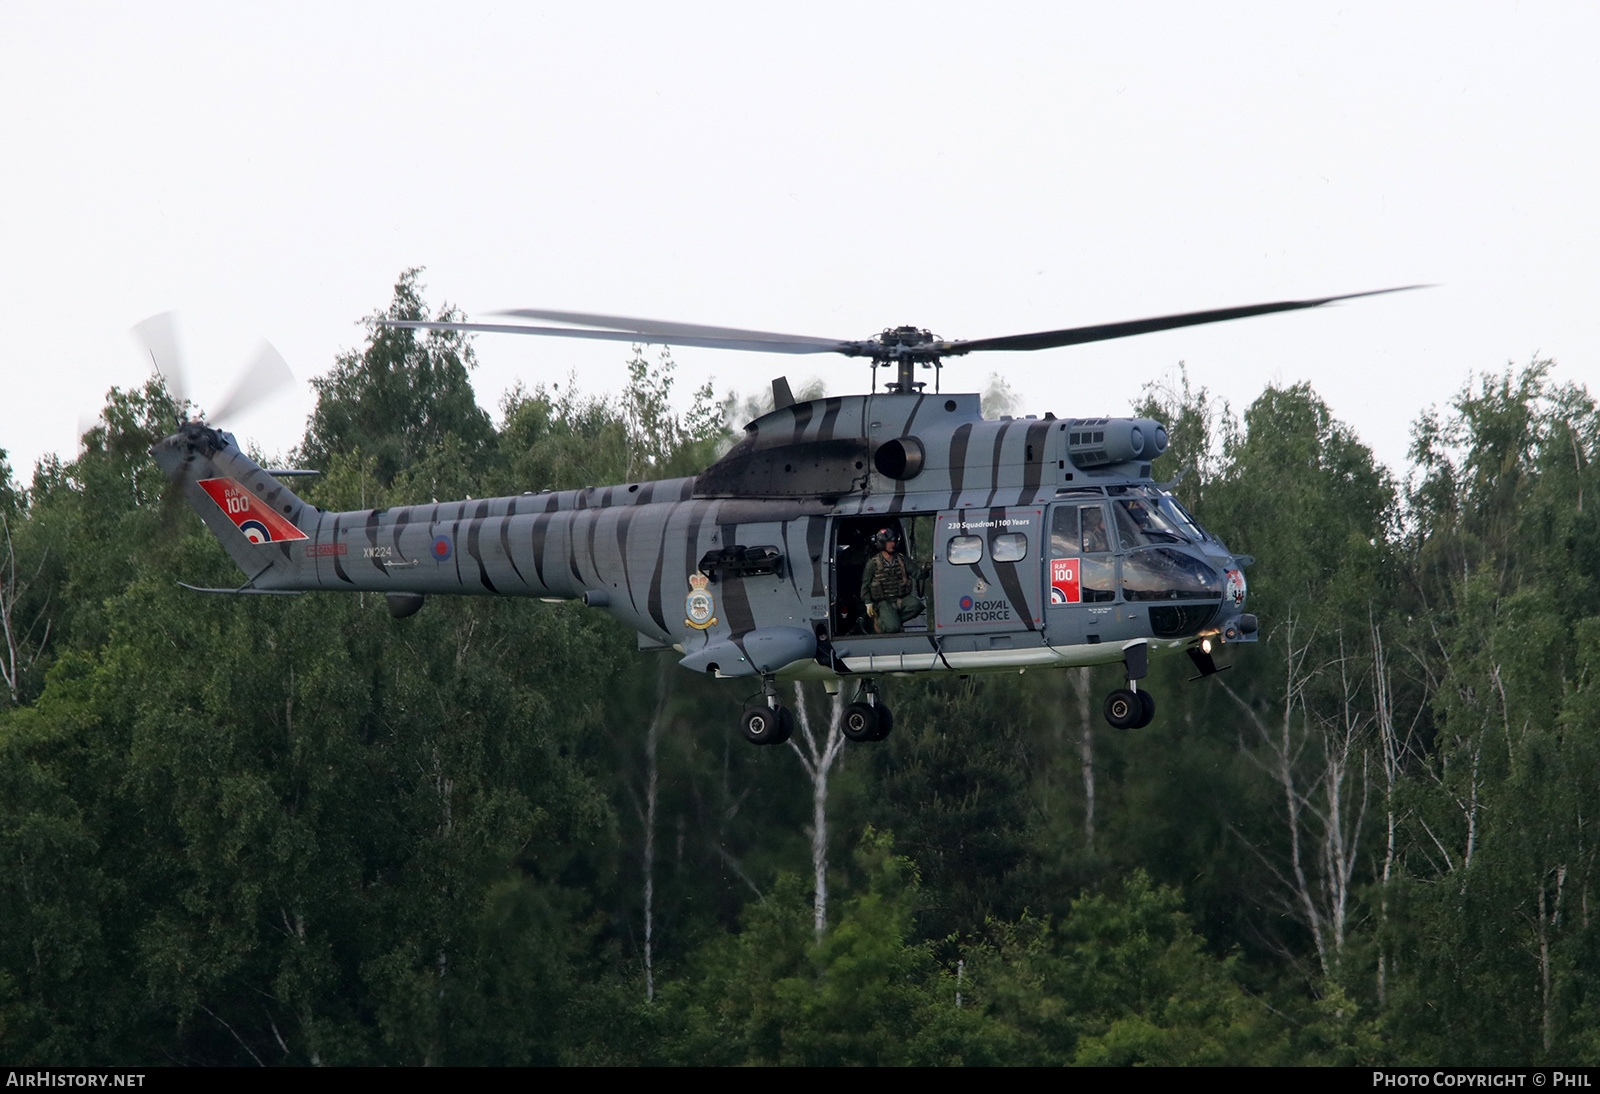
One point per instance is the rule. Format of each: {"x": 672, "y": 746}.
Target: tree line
{"x": 293, "y": 830}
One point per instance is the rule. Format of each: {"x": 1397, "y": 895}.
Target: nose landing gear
{"x": 1130, "y": 708}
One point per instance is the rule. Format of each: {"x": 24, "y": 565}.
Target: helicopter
{"x": 1031, "y": 542}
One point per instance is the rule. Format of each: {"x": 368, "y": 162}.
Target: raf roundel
{"x": 966, "y": 603}
{"x": 442, "y": 550}
{"x": 255, "y": 531}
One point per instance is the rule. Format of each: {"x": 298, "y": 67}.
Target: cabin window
{"x": 963, "y": 550}
{"x": 1009, "y": 547}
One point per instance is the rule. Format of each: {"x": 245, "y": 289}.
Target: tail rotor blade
{"x": 267, "y": 373}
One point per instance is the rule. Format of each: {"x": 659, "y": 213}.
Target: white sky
{"x": 826, "y": 169}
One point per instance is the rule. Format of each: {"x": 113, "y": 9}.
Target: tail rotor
{"x": 266, "y": 374}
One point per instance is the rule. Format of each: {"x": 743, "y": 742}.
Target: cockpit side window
{"x": 1064, "y": 532}
{"x": 1162, "y": 573}
{"x": 1095, "y": 538}
{"x": 1097, "y": 575}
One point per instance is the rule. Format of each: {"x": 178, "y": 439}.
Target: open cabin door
{"x": 987, "y": 571}
{"x": 852, "y": 545}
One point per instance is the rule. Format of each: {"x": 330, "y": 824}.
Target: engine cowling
{"x": 1101, "y": 442}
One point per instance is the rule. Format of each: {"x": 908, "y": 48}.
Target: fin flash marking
{"x": 249, "y": 513}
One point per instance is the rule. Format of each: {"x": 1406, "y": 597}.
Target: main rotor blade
{"x": 267, "y": 373}
{"x": 159, "y": 337}
{"x": 1077, "y": 335}
{"x": 662, "y": 327}
{"x": 756, "y": 344}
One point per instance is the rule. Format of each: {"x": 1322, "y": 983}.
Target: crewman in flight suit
{"x": 886, "y": 586}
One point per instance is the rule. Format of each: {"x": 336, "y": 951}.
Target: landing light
{"x": 1205, "y": 645}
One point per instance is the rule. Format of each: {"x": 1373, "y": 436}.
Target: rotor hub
{"x": 905, "y": 348}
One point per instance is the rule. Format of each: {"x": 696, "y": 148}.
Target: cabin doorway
{"x": 852, "y": 547}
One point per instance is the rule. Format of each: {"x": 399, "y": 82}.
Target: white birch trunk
{"x": 817, "y": 757}
{"x": 1082, "y": 685}
{"x": 16, "y": 658}
{"x": 652, "y": 740}
{"x": 1325, "y": 800}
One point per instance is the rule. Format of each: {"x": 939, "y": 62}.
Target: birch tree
{"x": 818, "y": 752}
{"x": 26, "y": 630}
{"x": 1316, "y": 751}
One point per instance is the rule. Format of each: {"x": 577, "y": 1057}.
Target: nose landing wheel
{"x": 1129, "y": 709}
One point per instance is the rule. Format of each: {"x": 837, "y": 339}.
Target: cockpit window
{"x": 1162, "y": 573}
{"x": 1095, "y": 538}
{"x": 1064, "y": 532}
{"x": 1175, "y": 511}
{"x": 1140, "y": 523}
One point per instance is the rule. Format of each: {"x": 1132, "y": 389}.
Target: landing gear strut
{"x": 867, "y": 719}
{"x": 767, "y": 722}
{"x": 1130, "y": 708}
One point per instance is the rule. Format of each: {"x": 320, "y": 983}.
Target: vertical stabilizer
{"x": 255, "y": 516}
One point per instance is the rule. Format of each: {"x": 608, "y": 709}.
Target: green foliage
{"x": 867, "y": 993}
{"x": 401, "y": 397}
{"x": 952, "y": 777}
{"x": 1121, "y": 979}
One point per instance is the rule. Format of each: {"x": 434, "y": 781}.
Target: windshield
{"x": 1165, "y": 574}
{"x": 1140, "y": 522}
{"x": 1174, "y": 510}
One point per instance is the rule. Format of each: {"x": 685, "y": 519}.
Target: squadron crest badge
{"x": 700, "y": 604}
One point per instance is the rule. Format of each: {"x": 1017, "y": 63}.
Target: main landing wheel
{"x": 1148, "y": 702}
{"x": 764, "y": 725}
{"x": 885, "y": 722}
{"x": 867, "y": 722}
{"x": 1128, "y": 709}
{"x": 861, "y": 721}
